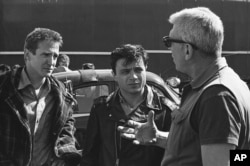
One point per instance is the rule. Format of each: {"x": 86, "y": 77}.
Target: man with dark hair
{"x": 88, "y": 66}
{"x": 214, "y": 115}
{"x": 132, "y": 100}
{"x": 36, "y": 124}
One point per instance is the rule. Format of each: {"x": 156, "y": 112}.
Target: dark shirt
{"x": 215, "y": 114}
{"x": 214, "y": 110}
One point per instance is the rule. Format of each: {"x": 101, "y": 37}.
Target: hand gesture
{"x": 142, "y": 133}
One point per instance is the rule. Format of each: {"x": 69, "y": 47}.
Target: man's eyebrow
{"x": 126, "y": 69}
{"x": 50, "y": 53}
{"x": 46, "y": 53}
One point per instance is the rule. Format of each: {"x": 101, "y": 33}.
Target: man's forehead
{"x": 48, "y": 44}
{"x": 48, "y": 47}
{"x": 124, "y": 63}
{"x": 174, "y": 32}
{"x": 171, "y": 32}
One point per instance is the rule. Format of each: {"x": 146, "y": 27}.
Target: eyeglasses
{"x": 168, "y": 42}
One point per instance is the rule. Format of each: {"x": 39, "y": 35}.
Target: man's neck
{"x": 36, "y": 82}
{"x": 133, "y": 99}
{"x": 200, "y": 67}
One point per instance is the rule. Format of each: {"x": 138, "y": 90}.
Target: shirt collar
{"x": 212, "y": 69}
{"x": 148, "y": 98}
{"x": 123, "y": 100}
{"x": 25, "y": 81}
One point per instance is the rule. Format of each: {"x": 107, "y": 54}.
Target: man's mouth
{"x": 49, "y": 69}
{"x": 134, "y": 84}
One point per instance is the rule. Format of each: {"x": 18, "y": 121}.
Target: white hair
{"x": 201, "y": 27}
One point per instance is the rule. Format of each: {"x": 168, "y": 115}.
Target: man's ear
{"x": 113, "y": 75}
{"x": 26, "y": 54}
{"x": 188, "y": 51}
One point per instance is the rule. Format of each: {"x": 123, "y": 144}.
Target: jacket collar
{"x": 25, "y": 81}
{"x": 14, "y": 96}
{"x": 211, "y": 71}
{"x": 151, "y": 102}
{"x": 19, "y": 79}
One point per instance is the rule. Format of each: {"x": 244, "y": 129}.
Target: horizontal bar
{"x": 108, "y": 53}
{"x": 79, "y": 115}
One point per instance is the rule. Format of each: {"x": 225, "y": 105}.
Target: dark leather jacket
{"x": 105, "y": 147}
{"x": 15, "y": 135}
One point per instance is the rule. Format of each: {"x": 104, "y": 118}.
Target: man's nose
{"x": 51, "y": 60}
{"x": 133, "y": 74}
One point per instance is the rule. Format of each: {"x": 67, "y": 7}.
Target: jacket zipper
{"x": 117, "y": 149}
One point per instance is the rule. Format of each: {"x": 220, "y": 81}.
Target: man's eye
{"x": 124, "y": 71}
{"x": 55, "y": 56}
{"x": 138, "y": 70}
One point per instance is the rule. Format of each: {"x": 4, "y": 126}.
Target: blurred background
{"x": 93, "y": 28}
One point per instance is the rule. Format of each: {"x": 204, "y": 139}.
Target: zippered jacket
{"x": 105, "y": 147}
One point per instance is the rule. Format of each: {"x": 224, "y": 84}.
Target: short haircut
{"x": 41, "y": 34}
{"x": 201, "y": 27}
{"x": 64, "y": 59}
{"x": 88, "y": 66}
{"x": 130, "y": 53}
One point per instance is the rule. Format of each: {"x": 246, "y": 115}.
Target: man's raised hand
{"x": 141, "y": 133}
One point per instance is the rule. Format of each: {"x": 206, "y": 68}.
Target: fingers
{"x": 151, "y": 116}
{"x": 133, "y": 123}
{"x": 128, "y": 136}
{"x": 127, "y": 130}
{"x": 137, "y": 142}
{"x": 137, "y": 131}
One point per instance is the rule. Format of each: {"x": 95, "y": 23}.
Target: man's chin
{"x": 48, "y": 74}
{"x": 136, "y": 90}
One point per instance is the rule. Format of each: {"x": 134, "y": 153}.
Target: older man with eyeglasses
{"x": 214, "y": 115}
